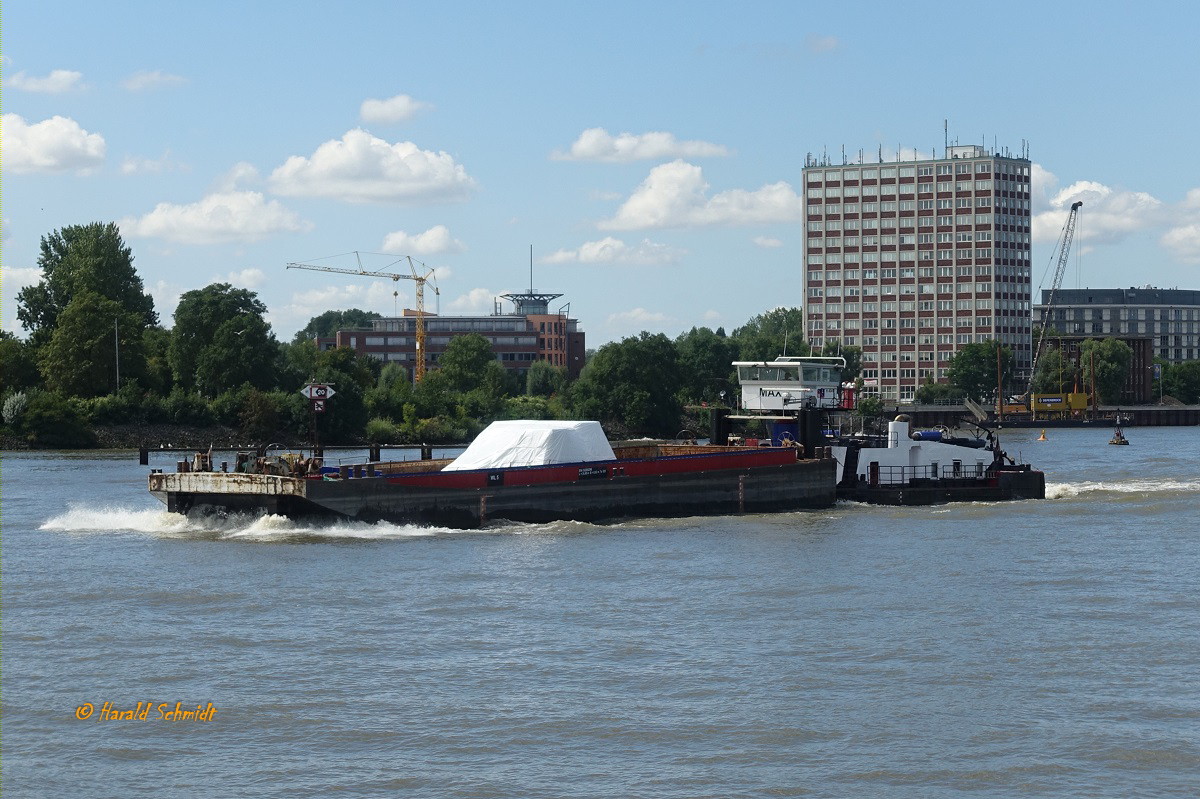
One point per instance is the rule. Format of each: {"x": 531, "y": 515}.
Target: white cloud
{"x": 674, "y": 195}
{"x": 1108, "y": 215}
{"x": 57, "y": 82}
{"x": 1184, "y": 238}
{"x": 166, "y": 299}
{"x": 639, "y": 316}
{"x": 597, "y": 144}
{"x": 1184, "y": 241}
{"x": 15, "y": 279}
{"x": 435, "y": 241}
{"x": 820, "y": 44}
{"x": 610, "y": 250}
{"x": 18, "y": 277}
{"x": 57, "y": 144}
{"x": 712, "y": 315}
{"x": 475, "y": 301}
{"x": 400, "y": 108}
{"x": 238, "y": 175}
{"x": 363, "y": 168}
{"x": 150, "y": 80}
{"x": 767, "y": 242}
{"x": 218, "y": 217}
{"x": 132, "y": 165}
{"x": 246, "y": 278}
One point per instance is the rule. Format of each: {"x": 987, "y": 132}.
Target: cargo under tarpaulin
{"x": 534, "y": 443}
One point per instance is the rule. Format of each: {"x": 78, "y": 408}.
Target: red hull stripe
{"x": 573, "y": 472}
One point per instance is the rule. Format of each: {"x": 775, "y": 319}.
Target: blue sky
{"x": 650, "y": 153}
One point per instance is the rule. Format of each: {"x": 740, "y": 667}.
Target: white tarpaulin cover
{"x": 534, "y": 443}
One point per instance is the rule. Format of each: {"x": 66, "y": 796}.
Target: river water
{"x": 1040, "y": 648}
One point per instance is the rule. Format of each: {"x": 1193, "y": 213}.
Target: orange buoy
{"x": 1042, "y": 437}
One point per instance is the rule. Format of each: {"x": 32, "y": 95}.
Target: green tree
{"x": 544, "y": 379}
{"x": 973, "y": 369}
{"x": 1112, "y": 359}
{"x": 18, "y": 364}
{"x": 79, "y": 259}
{"x": 259, "y": 415}
{"x": 635, "y": 383}
{"x": 80, "y": 357}
{"x": 930, "y": 392}
{"x": 242, "y": 350}
{"x": 705, "y": 364}
{"x": 352, "y": 376}
{"x": 853, "y": 356}
{"x": 464, "y": 360}
{"x": 390, "y": 394}
{"x": 769, "y": 335}
{"x": 1054, "y": 373}
{"x": 1182, "y": 381}
{"x": 296, "y": 363}
{"x": 219, "y": 338}
{"x": 328, "y": 323}
{"x": 156, "y": 344}
{"x": 869, "y": 406}
{"x": 54, "y": 420}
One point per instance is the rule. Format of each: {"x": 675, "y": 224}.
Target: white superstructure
{"x": 905, "y": 458}
{"x": 786, "y": 384}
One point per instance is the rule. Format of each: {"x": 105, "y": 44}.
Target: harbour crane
{"x": 419, "y": 278}
{"x": 1064, "y": 249}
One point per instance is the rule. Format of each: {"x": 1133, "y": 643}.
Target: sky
{"x": 647, "y": 154}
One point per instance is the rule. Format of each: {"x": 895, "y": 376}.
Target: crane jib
{"x": 1064, "y": 249}
{"x": 419, "y": 279}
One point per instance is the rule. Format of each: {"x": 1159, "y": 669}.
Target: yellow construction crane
{"x": 419, "y": 278}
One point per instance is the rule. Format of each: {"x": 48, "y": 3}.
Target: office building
{"x": 530, "y": 332}
{"x": 1170, "y": 318}
{"x": 913, "y": 260}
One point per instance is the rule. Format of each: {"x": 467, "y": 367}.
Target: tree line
{"x": 97, "y": 355}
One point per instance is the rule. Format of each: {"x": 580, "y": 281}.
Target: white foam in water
{"x": 1070, "y": 490}
{"x": 244, "y": 527}
{"x": 265, "y": 528}
{"x": 106, "y": 519}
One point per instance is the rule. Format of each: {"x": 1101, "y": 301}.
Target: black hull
{"x": 998, "y": 487}
{"x": 796, "y": 486}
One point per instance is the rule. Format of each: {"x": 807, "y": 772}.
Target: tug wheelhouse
{"x": 785, "y": 384}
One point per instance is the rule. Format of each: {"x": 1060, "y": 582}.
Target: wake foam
{"x": 1144, "y": 487}
{"x": 268, "y": 528}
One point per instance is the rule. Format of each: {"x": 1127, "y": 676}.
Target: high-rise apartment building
{"x": 912, "y": 260}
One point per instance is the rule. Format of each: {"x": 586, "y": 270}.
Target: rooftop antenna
{"x": 946, "y": 138}
{"x": 843, "y": 154}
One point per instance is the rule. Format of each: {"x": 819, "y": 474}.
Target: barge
{"x": 523, "y": 471}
